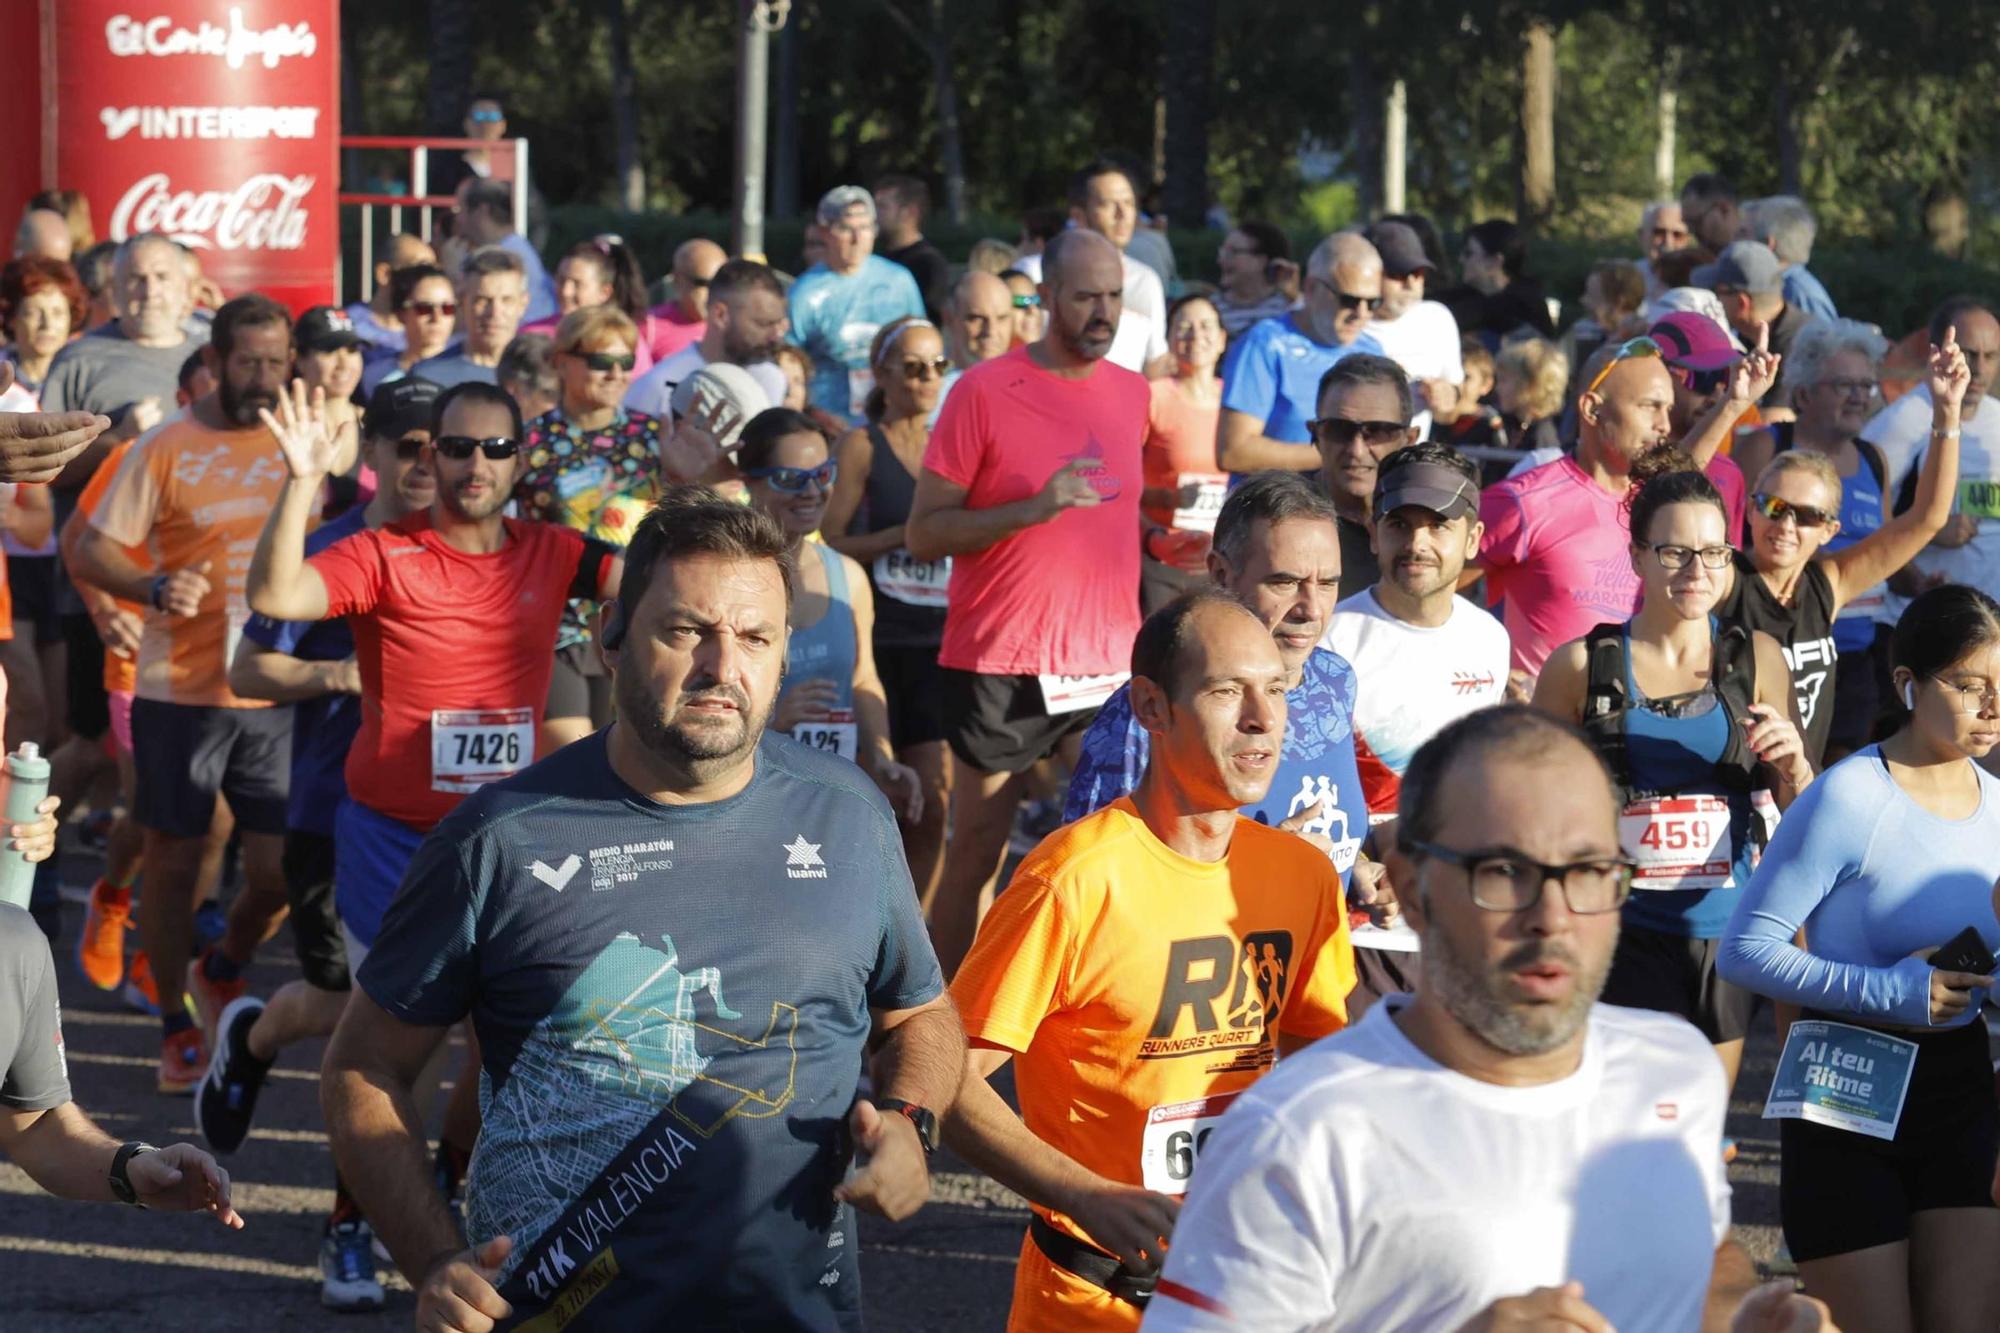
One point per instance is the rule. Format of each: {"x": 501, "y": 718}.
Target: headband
{"x": 882, "y": 356}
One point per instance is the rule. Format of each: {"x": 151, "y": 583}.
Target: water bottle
{"x": 27, "y": 786}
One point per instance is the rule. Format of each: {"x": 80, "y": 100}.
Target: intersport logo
{"x": 235, "y": 44}
{"x": 263, "y": 213}
{"x": 210, "y": 122}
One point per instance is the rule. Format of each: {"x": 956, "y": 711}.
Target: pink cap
{"x": 1693, "y": 341}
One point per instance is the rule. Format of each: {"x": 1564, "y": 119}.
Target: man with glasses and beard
{"x": 677, "y": 940}
{"x": 1497, "y": 1150}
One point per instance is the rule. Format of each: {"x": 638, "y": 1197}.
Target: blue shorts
{"x": 371, "y": 852}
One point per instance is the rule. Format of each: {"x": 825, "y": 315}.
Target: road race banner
{"x": 216, "y": 122}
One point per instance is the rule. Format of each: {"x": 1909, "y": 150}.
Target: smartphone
{"x": 1965, "y": 952}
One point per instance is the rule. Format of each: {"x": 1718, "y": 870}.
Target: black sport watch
{"x": 922, "y": 1117}
{"x": 121, "y": 1183}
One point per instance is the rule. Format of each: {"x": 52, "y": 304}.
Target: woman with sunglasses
{"x": 1889, "y": 856}
{"x": 864, "y": 520}
{"x": 833, "y": 698}
{"x": 427, "y": 304}
{"x": 1184, "y": 489}
{"x": 589, "y": 464}
{"x": 602, "y": 271}
{"x": 1692, "y": 716}
{"x": 1787, "y": 586}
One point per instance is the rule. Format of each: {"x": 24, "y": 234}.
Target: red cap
{"x": 1693, "y": 341}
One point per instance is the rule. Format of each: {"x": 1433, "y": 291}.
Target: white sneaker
{"x": 347, "y": 1279}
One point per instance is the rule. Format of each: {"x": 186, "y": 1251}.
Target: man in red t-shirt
{"x": 454, "y": 612}
{"x": 1031, "y": 484}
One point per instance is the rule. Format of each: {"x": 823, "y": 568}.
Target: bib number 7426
{"x": 472, "y": 747}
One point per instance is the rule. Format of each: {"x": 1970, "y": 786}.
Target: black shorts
{"x": 998, "y": 724}
{"x": 1675, "y": 974}
{"x": 31, "y": 581}
{"x": 186, "y": 753}
{"x": 315, "y": 926}
{"x": 89, "y": 706}
{"x": 913, "y": 685}
{"x": 1860, "y": 695}
{"x": 1839, "y": 1191}
{"x": 580, "y": 686}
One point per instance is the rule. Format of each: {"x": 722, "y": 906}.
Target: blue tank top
{"x": 1672, "y": 747}
{"x": 826, "y": 649}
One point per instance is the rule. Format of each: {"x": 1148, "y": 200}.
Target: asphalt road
{"x": 87, "y": 1268}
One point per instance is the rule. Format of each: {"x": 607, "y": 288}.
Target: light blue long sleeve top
{"x": 1874, "y": 878}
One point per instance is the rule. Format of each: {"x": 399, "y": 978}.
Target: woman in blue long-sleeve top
{"x": 1891, "y": 853}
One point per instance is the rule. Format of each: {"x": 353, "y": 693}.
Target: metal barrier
{"x": 419, "y": 198}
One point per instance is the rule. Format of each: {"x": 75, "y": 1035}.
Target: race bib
{"x": 1678, "y": 842}
{"x": 836, "y": 733}
{"x": 1397, "y": 938}
{"x": 1844, "y": 1076}
{"x": 1073, "y": 694}
{"x": 913, "y": 582}
{"x": 1174, "y": 1138}
{"x": 1211, "y": 489}
{"x": 859, "y": 382}
{"x": 1979, "y": 499}
{"x": 472, "y": 747}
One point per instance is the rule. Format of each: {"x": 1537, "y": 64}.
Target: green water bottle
{"x": 27, "y": 785}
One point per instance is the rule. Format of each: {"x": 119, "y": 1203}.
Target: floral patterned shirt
{"x": 600, "y": 482}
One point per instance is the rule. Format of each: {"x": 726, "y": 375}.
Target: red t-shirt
{"x": 1060, "y": 597}
{"x": 436, "y": 630}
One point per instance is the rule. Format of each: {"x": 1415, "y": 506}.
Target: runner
{"x": 1169, "y": 903}
{"x": 837, "y": 305}
{"x": 1496, "y": 1152}
{"x": 194, "y": 493}
{"x": 1365, "y": 404}
{"x": 832, "y": 698}
{"x": 1887, "y": 1208}
{"x": 598, "y": 916}
{"x": 876, "y": 481}
{"x": 427, "y": 305}
{"x": 1184, "y": 486}
{"x": 1045, "y": 578}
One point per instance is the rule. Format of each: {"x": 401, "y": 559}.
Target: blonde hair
{"x": 1809, "y": 461}
{"x": 586, "y": 324}
{"x": 991, "y": 256}
{"x": 1543, "y": 372}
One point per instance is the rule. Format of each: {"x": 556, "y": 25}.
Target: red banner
{"x": 216, "y": 122}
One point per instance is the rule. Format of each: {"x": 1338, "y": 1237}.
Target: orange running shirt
{"x": 1139, "y": 991}
{"x": 1180, "y": 438}
{"x": 192, "y": 495}
{"x": 121, "y": 674}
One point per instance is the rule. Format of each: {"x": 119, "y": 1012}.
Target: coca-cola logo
{"x": 235, "y": 44}
{"x": 263, "y": 213}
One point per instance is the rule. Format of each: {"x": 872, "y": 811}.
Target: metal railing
{"x": 419, "y": 199}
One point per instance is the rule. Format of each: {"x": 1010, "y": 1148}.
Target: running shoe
{"x": 210, "y": 997}
{"x": 183, "y": 1060}
{"x": 227, "y": 1097}
{"x": 210, "y": 923}
{"x": 100, "y": 949}
{"x": 347, "y": 1279}
{"x": 139, "y": 992}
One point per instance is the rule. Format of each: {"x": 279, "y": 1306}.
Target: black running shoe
{"x": 227, "y": 1097}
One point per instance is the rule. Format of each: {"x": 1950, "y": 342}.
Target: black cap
{"x": 1433, "y": 486}
{"x": 325, "y": 328}
{"x": 399, "y": 407}
{"x": 1402, "y": 253}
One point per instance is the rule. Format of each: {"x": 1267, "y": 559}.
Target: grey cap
{"x": 1745, "y": 266}
{"x": 1402, "y": 252}
{"x": 1433, "y": 486}
{"x": 833, "y": 205}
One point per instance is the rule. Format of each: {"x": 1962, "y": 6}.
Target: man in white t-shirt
{"x": 746, "y": 326}
{"x": 1418, "y": 335}
{"x": 1498, "y": 1150}
{"x": 1103, "y": 198}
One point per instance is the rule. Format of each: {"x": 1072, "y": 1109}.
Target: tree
{"x": 1538, "y": 124}
{"x": 1187, "y": 80}
{"x": 624, "y": 111}
{"x": 451, "y": 51}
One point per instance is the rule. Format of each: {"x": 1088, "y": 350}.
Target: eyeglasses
{"x": 432, "y": 309}
{"x": 1348, "y": 300}
{"x": 792, "y": 480}
{"x": 937, "y": 366}
{"x": 605, "y": 362}
{"x": 1028, "y": 302}
{"x": 461, "y": 447}
{"x": 1974, "y": 698}
{"x": 1635, "y": 347}
{"x": 1339, "y": 432}
{"x": 410, "y": 448}
{"x": 1503, "y": 880}
{"x": 1777, "y": 511}
{"x": 1850, "y": 388}
{"x": 1677, "y": 557}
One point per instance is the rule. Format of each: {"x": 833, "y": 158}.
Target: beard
{"x": 687, "y": 741}
{"x": 241, "y": 407}
{"x": 472, "y": 511}
{"x": 1475, "y": 994}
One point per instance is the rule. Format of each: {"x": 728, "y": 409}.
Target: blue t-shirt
{"x": 1862, "y": 507}
{"x": 323, "y": 729}
{"x": 1272, "y": 373}
{"x": 1316, "y": 760}
{"x": 834, "y": 317}
{"x": 541, "y": 287}
{"x": 1808, "y": 293}
{"x": 671, "y": 1004}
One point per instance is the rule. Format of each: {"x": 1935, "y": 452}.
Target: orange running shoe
{"x": 210, "y": 997}
{"x": 100, "y": 950}
{"x": 183, "y": 1061}
{"x": 139, "y": 992}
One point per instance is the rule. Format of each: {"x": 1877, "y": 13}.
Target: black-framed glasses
{"x": 1776, "y": 510}
{"x": 1348, "y": 300}
{"x": 937, "y": 366}
{"x": 792, "y": 480}
{"x": 1973, "y": 698}
{"x": 458, "y": 448}
{"x": 1673, "y": 557}
{"x": 1027, "y": 301}
{"x": 1501, "y": 879}
{"x": 605, "y": 362}
{"x": 1339, "y": 432}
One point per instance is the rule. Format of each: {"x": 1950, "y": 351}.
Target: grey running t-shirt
{"x": 33, "y": 1076}
{"x": 104, "y": 371}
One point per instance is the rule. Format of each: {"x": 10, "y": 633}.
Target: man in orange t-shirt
{"x": 1146, "y": 965}
{"x": 195, "y": 494}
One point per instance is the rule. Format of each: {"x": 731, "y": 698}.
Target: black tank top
{"x": 905, "y": 587}
{"x": 1804, "y": 629}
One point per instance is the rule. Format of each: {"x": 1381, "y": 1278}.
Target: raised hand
{"x": 1753, "y": 377}
{"x": 301, "y": 428}
{"x": 1949, "y": 375}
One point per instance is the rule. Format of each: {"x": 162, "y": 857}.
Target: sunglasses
{"x": 1637, "y": 347}
{"x": 938, "y": 366}
{"x": 1776, "y": 510}
{"x": 410, "y": 448}
{"x": 792, "y": 480}
{"x": 432, "y": 309}
{"x": 1700, "y": 381}
{"x": 1028, "y": 302}
{"x": 604, "y": 362}
{"x": 1339, "y": 432}
{"x": 1348, "y": 300}
{"x": 461, "y": 447}
{"x": 487, "y": 117}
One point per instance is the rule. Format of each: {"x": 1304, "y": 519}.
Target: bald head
{"x": 43, "y": 234}
{"x": 1344, "y": 282}
{"x": 695, "y": 263}
{"x": 407, "y": 250}
{"x": 1083, "y": 291}
{"x": 982, "y": 319}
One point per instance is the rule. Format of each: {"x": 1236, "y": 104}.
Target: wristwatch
{"x": 121, "y": 1183}
{"x": 922, "y": 1117}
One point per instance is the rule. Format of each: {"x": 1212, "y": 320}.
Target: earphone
{"x": 1910, "y": 695}
{"x": 613, "y": 633}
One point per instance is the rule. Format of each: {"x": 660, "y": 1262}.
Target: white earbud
{"x": 1910, "y": 695}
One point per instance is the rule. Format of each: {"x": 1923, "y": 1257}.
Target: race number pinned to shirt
{"x": 1073, "y": 694}
{"x": 1979, "y": 498}
{"x": 1198, "y": 512}
{"x": 836, "y": 733}
{"x": 911, "y": 581}
{"x": 1173, "y": 1139}
{"x": 1844, "y": 1076}
{"x": 1678, "y": 842}
{"x": 472, "y": 747}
